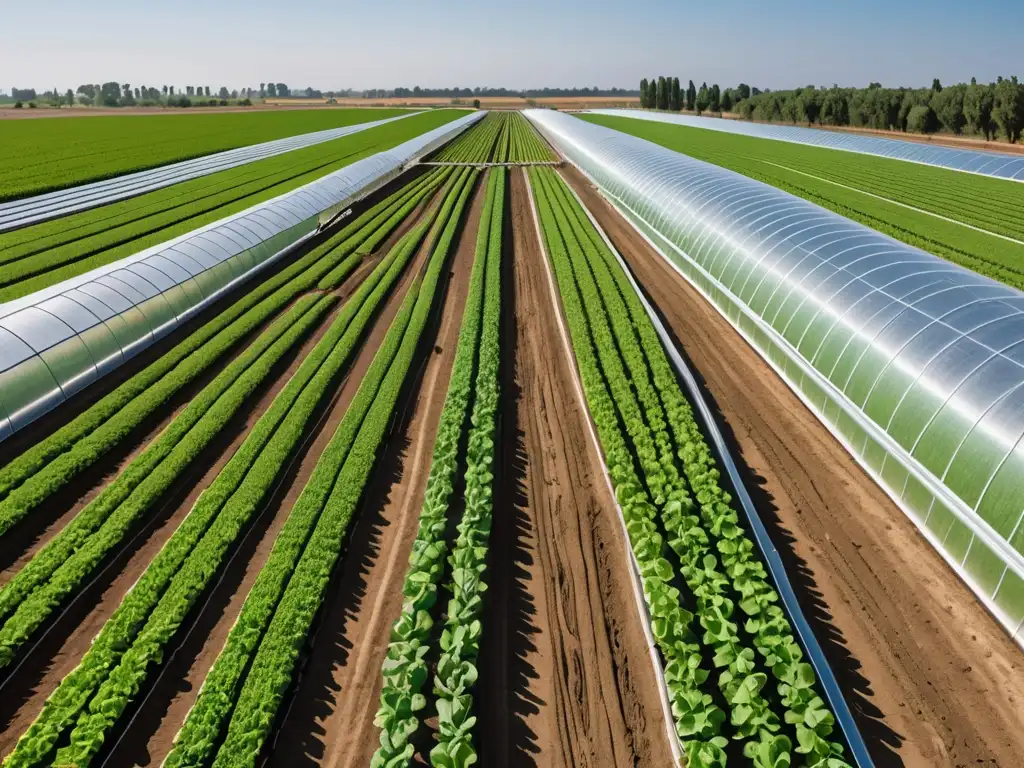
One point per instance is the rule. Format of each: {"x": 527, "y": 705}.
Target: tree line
{"x": 990, "y": 110}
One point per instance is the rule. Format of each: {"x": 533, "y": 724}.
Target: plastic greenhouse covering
{"x": 59, "y": 340}
{"x": 52, "y": 205}
{"x": 995, "y": 164}
{"x": 915, "y": 364}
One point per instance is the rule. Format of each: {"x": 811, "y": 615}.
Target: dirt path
{"x": 330, "y": 721}
{"x": 931, "y": 677}
{"x": 566, "y": 675}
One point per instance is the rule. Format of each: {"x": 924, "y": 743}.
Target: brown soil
{"x": 931, "y": 677}
{"x": 566, "y": 677}
{"x": 486, "y": 102}
{"x": 330, "y": 720}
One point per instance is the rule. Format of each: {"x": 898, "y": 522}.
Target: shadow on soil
{"x": 882, "y": 741}
{"x": 506, "y": 676}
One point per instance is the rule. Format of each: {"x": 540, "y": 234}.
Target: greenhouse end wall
{"x": 914, "y": 364}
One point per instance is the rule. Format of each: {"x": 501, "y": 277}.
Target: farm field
{"x": 47, "y": 253}
{"x": 968, "y": 219}
{"x": 41, "y": 156}
{"x": 431, "y": 490}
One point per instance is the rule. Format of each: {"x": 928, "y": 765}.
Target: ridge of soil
{"x": 931, "y": 678}
{"x": 566, "y": 678}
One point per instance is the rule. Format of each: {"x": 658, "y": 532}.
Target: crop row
{"x": 405, "y": 668}
{"x": 692, "y": 523}
{"x": 525, "y": 144}
{"x": 501, "y": 137}
{"x": 195, "y": 743}
{"x": 67, "y": 561}
{"x": 134, "y": 639}
{"x": 36, "y": 257}
{"x": 42, "y": 157}
{"x": 477, "y": 145}
{"x": 989, "y": 204}
{"x": 274, "y": 663}
{"x": 37, "y": 474}
{"x": 460, "y": 640}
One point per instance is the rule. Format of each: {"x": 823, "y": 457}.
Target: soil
{"x": 931, "y": 677}
{"x": 566, "y": 675}
{"x": 330, "y": 719}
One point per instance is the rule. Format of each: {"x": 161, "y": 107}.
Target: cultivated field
{"x": 38, "y": 157}
{"x": 41, "y": 255}
{"x": 433, "y": 490}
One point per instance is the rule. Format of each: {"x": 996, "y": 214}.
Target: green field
{"x": 36, "y": 257}
{"x": 970, "y": 220}
{"x": 43, "y": 155}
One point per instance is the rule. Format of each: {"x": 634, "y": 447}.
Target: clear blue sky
{"x": 517, "y": 44}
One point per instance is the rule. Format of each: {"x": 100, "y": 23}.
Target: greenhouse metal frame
{"x": 915, "y": 364}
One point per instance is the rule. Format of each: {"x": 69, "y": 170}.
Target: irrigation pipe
{"x": 843, "y": 715}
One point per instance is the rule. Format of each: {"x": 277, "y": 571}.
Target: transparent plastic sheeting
{"x": 915, "y": 364}
{"x": 57, "y": 341}
{"x": 995, "y": 164}
{"x": 52, "y": 205}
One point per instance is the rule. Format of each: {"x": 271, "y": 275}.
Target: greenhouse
{"x": 915, "y": 364}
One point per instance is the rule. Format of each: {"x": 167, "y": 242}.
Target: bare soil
{"x": 931, "y": 677}
{"x": 330, "y": 719}
{"x": 566, "y": 676}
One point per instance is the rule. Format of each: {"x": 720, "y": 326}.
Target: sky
{"x": 334, "y": 44}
